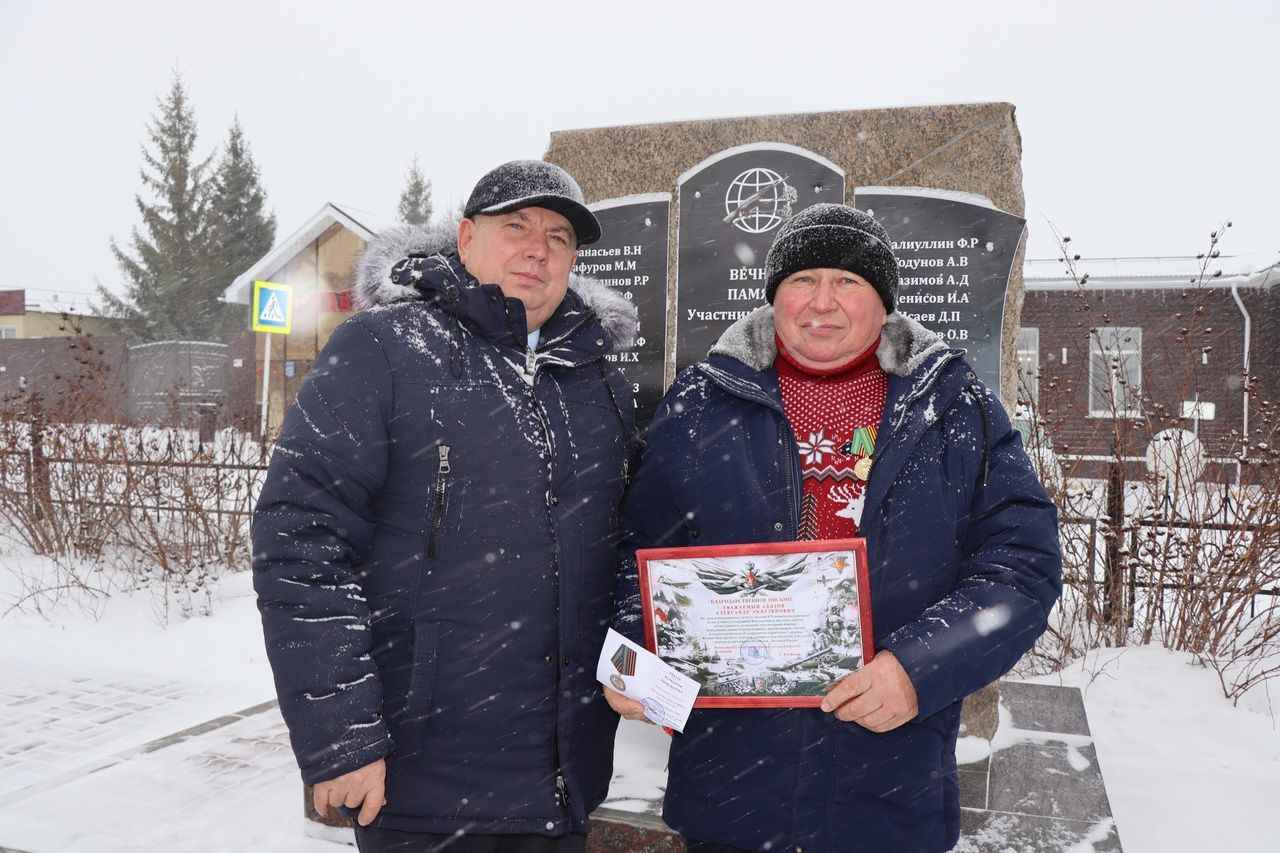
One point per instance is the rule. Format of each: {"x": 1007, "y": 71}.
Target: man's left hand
{"x": 625, "y": 706}
{"x": 878, "y": 697}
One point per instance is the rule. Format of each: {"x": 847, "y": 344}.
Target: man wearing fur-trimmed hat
{"x": 434, "y": 544}
{"x": 827, "y": 414}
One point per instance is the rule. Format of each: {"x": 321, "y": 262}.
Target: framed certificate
{"x": 770, "y": 625}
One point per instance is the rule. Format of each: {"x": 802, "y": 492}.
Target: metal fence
{"x": 92, "y": 484}
{"x": 1082, "y": 541}
{"x": 175, "y": 380}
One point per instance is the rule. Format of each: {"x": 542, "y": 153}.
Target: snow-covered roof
{"x": 366, "y": 225}
{"x": 64, "y": 302}
{"x": 1254, "y": 270}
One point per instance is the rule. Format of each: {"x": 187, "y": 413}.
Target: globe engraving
{"x": 760, "y": 198}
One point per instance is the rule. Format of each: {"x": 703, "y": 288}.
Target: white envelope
{"x": 637, "y": 673}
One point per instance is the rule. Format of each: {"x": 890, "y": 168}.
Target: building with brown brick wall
{"x": 1146, "y": 344}
{"x": 68, "y": 364}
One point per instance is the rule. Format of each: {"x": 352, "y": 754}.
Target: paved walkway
{"x": 1042, "y": 788}
{"x": 87, "y": 768}
{"x": 127, "y": 764}
{"x": 53, "y": 730}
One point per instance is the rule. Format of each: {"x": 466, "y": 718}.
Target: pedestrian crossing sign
{"x": 272, "y": 307}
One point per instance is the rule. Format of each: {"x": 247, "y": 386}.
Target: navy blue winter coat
{"x": 964, "y": 569}
{"x": 435, "y": 549}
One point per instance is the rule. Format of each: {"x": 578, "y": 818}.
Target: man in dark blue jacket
{"x": 822, "y": 415}
{"x": 434, "y": 544}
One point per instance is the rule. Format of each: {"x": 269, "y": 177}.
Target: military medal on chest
{"x": 863, "y": 444}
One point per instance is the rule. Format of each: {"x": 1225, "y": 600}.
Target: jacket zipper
{"x": 793, "y": 499}
{"x": 562, "y": 787}
{"x": 562, "y": 791}
{"x": 442, "y": 485}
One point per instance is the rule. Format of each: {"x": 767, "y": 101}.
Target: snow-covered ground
{"x": 1184, "y": 769}
{"x": 87, "y": 689}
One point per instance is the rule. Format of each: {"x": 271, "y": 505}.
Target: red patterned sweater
{"x": 834, "y": 415}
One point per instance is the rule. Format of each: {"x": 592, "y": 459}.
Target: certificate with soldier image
{"x": 773, "y": 624}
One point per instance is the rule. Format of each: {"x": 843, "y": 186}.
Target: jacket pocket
{"x": 422, "y": 682}
{"x": 442, "y": 497}
{"x": 897, "y": 778}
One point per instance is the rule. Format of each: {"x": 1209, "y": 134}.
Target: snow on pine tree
{"x": 241, "y": 229}
{"x": 199, "y": 231}
{"x": 167, "y": 269}
{"x": 415, "y": 199}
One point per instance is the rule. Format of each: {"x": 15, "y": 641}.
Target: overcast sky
{"x": 1144, "y": 124}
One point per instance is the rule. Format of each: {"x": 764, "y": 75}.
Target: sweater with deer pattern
{"x": 835, "y": 415}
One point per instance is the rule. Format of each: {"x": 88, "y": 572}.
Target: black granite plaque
{"x": 955, "y": 252}
{"x": 631, "y": 257}
{"x": 731, "y": 205}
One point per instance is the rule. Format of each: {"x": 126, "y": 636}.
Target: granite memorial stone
{"x": 631, "y": 257}
{"x": 730, "y": 206}
{"x": 955, "y": 253}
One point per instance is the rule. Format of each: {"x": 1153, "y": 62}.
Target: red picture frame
{"x": 759, "y": 625}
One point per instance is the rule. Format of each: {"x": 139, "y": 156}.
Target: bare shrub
{"x": 115, "y": 504}
{"x": 1175, "y": 559}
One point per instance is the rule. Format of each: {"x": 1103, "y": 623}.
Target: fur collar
{"x": 373, "y": 285}
{"x": 904, "y": 343}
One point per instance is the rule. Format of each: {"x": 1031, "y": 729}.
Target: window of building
{"x": 1115, "y": 371}
{"x": 8, "y": 332}
{"x": 1029, "y": 366}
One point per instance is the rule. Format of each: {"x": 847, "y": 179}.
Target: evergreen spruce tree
{"x": 240, "y": 229}
{"x": 415, "y": 198}
{"x": 167, "y": 272}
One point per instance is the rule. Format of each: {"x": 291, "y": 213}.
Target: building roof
{"x": 366, "y": 225}
{"x": 42, "y": 300}
{"x": 1255, "y": 270}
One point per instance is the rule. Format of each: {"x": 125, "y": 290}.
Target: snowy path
{"x": 232, "y": 788}
{"x": 58, "y": 727}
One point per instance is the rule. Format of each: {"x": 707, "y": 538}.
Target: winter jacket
{"x": 435, "y": 547}
{"x": 964, "y": 567}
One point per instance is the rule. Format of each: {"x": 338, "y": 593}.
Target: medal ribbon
{"x": 863, "y": 442}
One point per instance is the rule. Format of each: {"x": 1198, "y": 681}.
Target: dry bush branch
{"x": 152, "y": 506}
{"x": 1180, "y": 561}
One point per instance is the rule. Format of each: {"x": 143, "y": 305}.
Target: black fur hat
{"x": 834, "y": 236}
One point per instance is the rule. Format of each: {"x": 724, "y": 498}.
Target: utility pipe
{"x": 1248, "y": 329}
